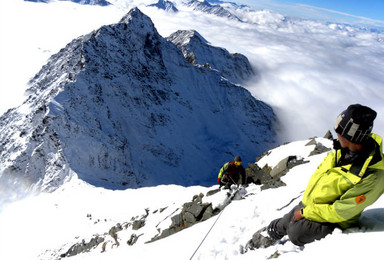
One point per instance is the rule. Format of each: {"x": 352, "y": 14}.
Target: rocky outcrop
{"x": 271, "y": 177}
{"x": 83, "y": 246}
{"x": 319, "y": 148}
{"x": 191, "y": 214}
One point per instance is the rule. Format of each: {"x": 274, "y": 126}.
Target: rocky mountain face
{"x": 234, "y": 67}
{"x": 206, "y": 7}
{"x": 122, "y": 107}
{"x": 165, "y": 5}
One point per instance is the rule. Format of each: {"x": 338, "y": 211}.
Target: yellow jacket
{"x": 338, "y": 194}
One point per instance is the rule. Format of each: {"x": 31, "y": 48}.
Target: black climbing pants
{"x": 302, "y": 231}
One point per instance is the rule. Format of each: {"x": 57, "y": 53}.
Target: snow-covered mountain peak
{"x": 197, "y": 50}
{"x": 206, "y": 7}
{"x": 184, "y": 37}
{"x": 165, "y": 5}
{"x": 135, "y": 17}
{"x": 121, "y": 107}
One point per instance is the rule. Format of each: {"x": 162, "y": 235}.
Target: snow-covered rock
{"x": 121, "y": 107}
{"x": 165, "y": 5}
{"x": 206, "y": 7}
{"x": 234, "y": 67}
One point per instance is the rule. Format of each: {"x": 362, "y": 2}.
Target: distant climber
{"x": 350, "y": 178}
{"x": 231, "y": 173}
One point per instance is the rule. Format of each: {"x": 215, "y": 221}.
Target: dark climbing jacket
{"x": 233, "y": 171}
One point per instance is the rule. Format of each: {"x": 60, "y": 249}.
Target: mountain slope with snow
{"x": 206, "y": 7}
{"x": 80, "y": 212}
{"x": 234, "y": 67}
{"x": 165, "y": 5}
{"x": 121, "y": 107}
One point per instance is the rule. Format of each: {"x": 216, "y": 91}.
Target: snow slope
{"x": 48, "y": 224}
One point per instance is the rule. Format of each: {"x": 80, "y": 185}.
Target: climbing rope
{"x": 206, "y": 234}
{"x": 292, "y": 200}
{"x": 232, "y": 195}
{"x": 221, "y": 212}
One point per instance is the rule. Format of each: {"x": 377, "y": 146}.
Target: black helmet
{"x": 237, "y": 159}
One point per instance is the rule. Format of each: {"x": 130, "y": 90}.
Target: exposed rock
{"x": 191, "y": 214}
{"x": 137, "y": 224}
{"x": 113, "y": 233}
{"x": 212, "y": 192}
{"x": 257, "y": 175}
{"x": 272, "y": 184}
{"x": 328, "y": 135}
{"x": 84, "y": 246}
{"x": 270, "y": 177}
{"x": 133, "y": 239}
{"x": 260, "y": 240}
{"x": 319, "y": 148}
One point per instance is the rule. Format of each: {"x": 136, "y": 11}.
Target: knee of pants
{"x": 296, "y": 235}
{"x": 300, "y": 232}
{"x": 305, "y": 231}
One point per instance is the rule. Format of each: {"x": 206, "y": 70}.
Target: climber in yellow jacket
{"x": 350, "y": 178}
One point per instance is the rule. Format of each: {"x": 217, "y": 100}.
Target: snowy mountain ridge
{"x": 206, "y": 7}
{"x": 82, "y": 2}
{"x": 122, "y": 107}
{"x": 234, "y": 67}
{"x": 165, "y": 5}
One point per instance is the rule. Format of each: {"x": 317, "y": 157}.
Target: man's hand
{"x": 297, "y": 215}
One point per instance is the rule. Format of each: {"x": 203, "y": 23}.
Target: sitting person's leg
{"x": 306, "y": 231}
{"x": 279, "y": 227}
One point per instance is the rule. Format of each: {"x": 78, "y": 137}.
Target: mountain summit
{"x": 121, "y": 107}
{"x": 165, "y": 5}
{"x": 197, "y": 50}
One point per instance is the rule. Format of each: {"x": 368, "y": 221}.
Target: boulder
{"x": 83, "y": 246}
{"x": 191, "y": 213}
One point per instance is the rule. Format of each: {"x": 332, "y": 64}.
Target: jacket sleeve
{"x": 223, "y": 170}
{"x": 351, "y": 203}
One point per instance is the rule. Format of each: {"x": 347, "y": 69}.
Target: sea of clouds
{"x": 307, "y": 70}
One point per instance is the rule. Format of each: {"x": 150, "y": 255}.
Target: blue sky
{"x": 365, "y": 11}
